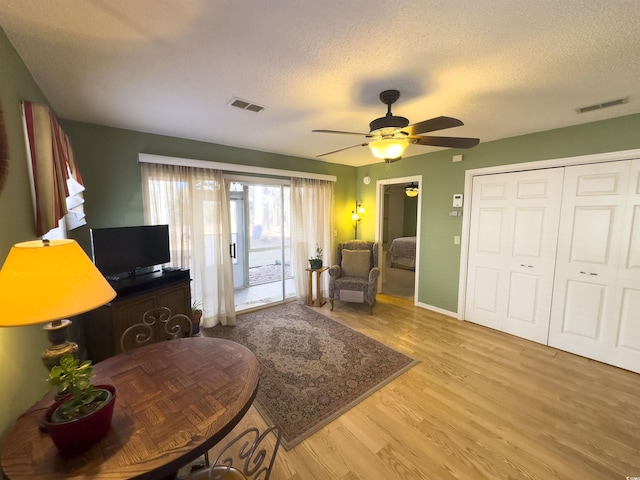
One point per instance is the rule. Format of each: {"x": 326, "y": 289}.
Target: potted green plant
{"x": 316, "y": 262}
{"x": 82, "y": 414}
{"x": 196, "y": 316}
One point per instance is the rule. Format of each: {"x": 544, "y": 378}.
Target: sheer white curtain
{"x": 194, "y": 202}
{"x": 312, "y": 223}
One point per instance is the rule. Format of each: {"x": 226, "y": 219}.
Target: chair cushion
{"x": 360, "y": 284}
{"x": 356, "y": 263}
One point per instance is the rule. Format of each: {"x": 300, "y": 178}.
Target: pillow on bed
{"x": 356, "y": 263}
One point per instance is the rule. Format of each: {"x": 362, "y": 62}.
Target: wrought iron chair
{"x": 172, "y": 326}
{"x": 248, "y": 456}
{"x": 355, "y": 276}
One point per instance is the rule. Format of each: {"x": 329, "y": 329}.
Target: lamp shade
{"x": 47, "y": 280}
{"x": 388, "y": 148}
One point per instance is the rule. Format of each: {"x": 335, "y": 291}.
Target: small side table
{"x": 318, "y": 302}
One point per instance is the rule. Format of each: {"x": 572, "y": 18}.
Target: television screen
{"x": 128, "y": 249}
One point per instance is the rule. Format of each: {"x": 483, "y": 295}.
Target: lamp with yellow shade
{"x": 47, "y": 281}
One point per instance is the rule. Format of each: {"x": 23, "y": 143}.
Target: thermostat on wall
{"x": 457, "y": 200}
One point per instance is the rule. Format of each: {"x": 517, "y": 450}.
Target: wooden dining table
{"x": 174, "y": 401}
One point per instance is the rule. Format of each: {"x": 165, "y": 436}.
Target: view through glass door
{"x": 261, "y": 244}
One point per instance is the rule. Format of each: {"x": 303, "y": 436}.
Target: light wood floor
{"x": 480, "y": 405}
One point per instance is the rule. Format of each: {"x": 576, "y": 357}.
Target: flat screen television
{"x": 126, "y": 251}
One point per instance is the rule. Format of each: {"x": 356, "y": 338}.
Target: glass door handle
{"x": 232, "y": 250}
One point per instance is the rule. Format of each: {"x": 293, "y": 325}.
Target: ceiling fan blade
{"x": 437, "y": 123}
{"x": 451, "y": 142}
{"x": 339, "y": 132}
{"x": 346, "y": 148}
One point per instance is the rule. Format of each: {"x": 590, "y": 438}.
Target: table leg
{"x": 310, "y": 299}
{"x": 319, "y": 301}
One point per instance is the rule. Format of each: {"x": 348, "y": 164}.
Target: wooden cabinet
{"x": 104, "y": 326}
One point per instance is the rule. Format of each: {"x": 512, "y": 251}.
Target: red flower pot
{"x": 79, "y": 434}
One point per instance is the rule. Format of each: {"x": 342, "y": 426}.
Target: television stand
{"x": 138, "y": 273}
{"x": 104, "y": 326}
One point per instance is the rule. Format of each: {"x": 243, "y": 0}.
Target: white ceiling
{"x": 170, "y": 67}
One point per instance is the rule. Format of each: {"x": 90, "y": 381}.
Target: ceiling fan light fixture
{"x": 412, "y": 190}
{"x": 391, "y": 135}
{"x": 388, "y": 148}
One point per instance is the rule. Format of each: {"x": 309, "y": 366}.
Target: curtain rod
{"x": 230, "y": 167}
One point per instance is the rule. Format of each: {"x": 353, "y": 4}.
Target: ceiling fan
{"x": 389, "y": 136}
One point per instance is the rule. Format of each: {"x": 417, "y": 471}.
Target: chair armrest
{"x": 335, "y": 271}
{"x": 374, "y": 273}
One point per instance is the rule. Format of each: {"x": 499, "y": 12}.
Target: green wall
{"x": 108, "y": 161}
{"x": 439, "y": 257}
{"x": 22, "y": 376}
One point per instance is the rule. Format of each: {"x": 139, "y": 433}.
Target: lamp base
{"x": 60, "y": 346}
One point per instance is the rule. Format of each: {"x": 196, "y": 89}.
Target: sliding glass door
{"x": 238, "y": 237}
{"x": 261, "y": 244}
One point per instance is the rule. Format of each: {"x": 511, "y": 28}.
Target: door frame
{"x": 517, "y": 167}
{"x": 380, "y": 186}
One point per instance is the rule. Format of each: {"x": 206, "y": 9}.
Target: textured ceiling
{"x": 170, "y": 67}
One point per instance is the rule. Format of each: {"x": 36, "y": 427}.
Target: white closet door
{"x": 589, "y": 255}
{"x": 625, "y": 341}
{"x": 512, "y": 247}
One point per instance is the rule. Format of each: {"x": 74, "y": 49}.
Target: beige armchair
{"x": 355, "y": 276}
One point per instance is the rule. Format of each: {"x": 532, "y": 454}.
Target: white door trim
{"x": 517, "y": 167}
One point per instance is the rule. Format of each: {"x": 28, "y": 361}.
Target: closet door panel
{"x": 591, "y": 235}
{"x": 584, "y": 309}
{"x": 531, "y": 263}
{"x": 625, "y": 347}
{"x": 486, "y": 302}
{"x": 513, "y": 235}
{"x": 589, "y": 244}
{"x": 629, "y": 332}
{"x": 487, "y": 291}
{"x": 633, "y": 257}
{"x": 523, "y": 297}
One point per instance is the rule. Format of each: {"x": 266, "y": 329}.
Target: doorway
{"x": 398, "y": 219}
{"x": 260, "y": 243}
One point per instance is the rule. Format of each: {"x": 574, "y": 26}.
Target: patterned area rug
{"x": 312, "y": 368}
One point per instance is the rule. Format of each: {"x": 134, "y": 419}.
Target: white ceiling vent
{"x": 598, "y": 106}
{"x": 244, "y": 105}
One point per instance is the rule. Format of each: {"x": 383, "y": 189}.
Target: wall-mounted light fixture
{"x": 356, "y": 216}
{"x": 412, "y": 190}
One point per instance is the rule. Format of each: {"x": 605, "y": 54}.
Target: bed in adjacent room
{"x": 403, "y": 253}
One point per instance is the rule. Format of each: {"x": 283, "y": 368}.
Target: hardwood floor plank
{"x": 480, "y": 404}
